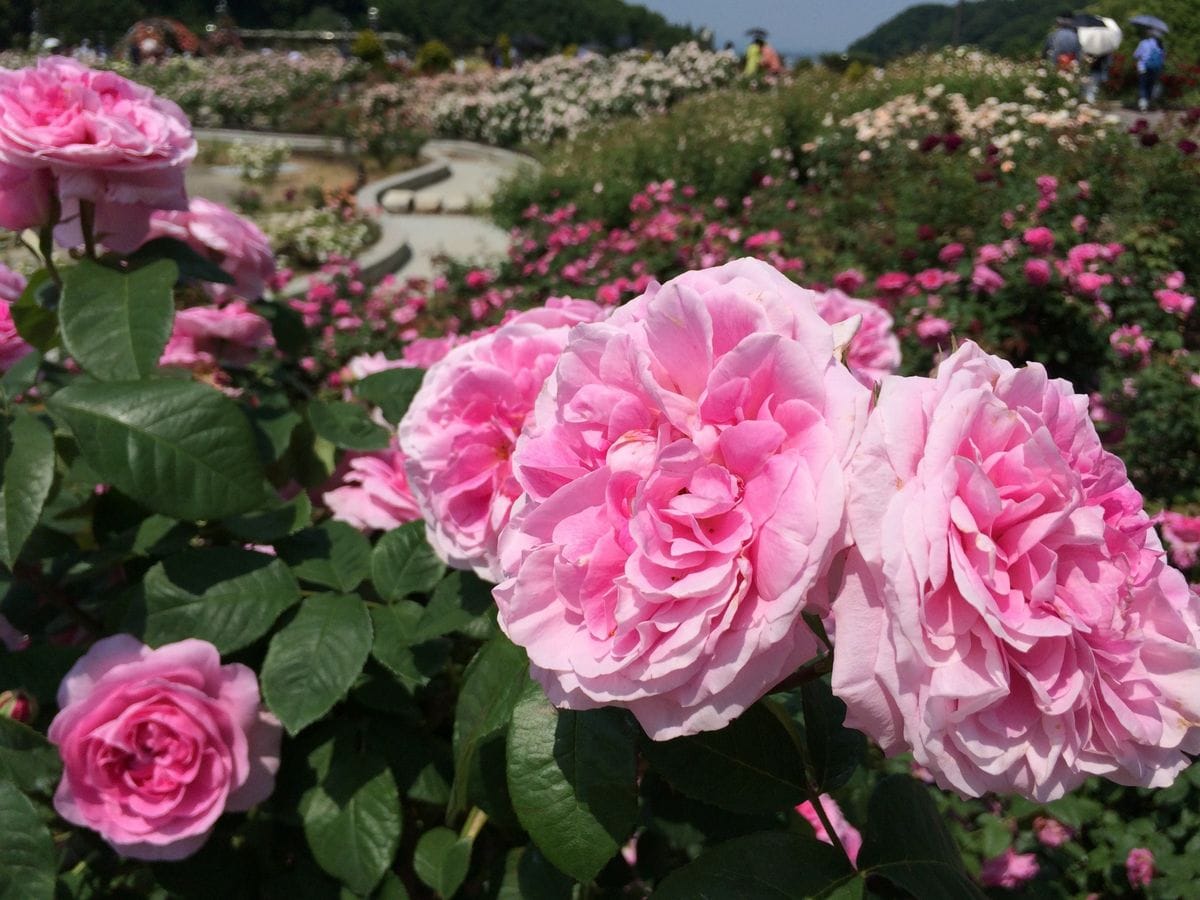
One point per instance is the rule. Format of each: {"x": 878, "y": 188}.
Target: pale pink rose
{"x": 1038, "y": 272}
{"x": 1009, "y": 870}
{"x": 210, "y": 335}
{"x": 76, "y": 134}
{"x": 424, "y": 352}
{"x": 1139, "y": 867}
{"x": 1174, "y": 281}
{"x": 367, "y": 364}
{"x": 12, "y": 346}
{"x": 231, "y": 241}
{"x": 1182, "y": 534}
{"x": 1051, "y": 832}
{"x": 986, "y": 279}
{"x": 874, "y": 350}
{"x": 849, "y": 835}
{"x": 1007, "y": 613}
{"x": 373, "y": 492}
{"x": 684, "y": 500}
{"x": 933, "y": 329}
{"x": 156, "y": 744}
{"x": 459, "y": 432}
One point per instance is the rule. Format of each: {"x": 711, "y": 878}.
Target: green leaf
{"x": 22, "y": 374}
{"x": 28, "y": 447}
{"x": 332, "y": 555}
{"x": 752, "y": 765}
{"x": 287, "y": 327}
{"x": 834, "y": 751}
{"x": 492, "y": 684}
{"x": 224, "y": 595}
{"x": 347, "y": 425}
{"x": 263, "y": 526}
{"x": 116, "y": 324}
{"x": 395, "y": 626}
{"x": 572, "y": 777}
{"x": 461, "y": 602}
{"x": 528, "y": 875}
{"x": 352, "y": 819}
{"x": 441, "y": 860}
{"x": 763, "y": 866}
{"x": 191, "y": 265}
{"x": 180, "y": 448}
{"x": 314, "y": 659}
{"x": 38, "y": 670}
{"x": 403, "y": 563}
{"x": 26, "y": 847}
{"x": 35, "y": 314}
{"x": 906, "y": 842}
{"x": 391, "y": 390}
{"x": 27, "y": 759}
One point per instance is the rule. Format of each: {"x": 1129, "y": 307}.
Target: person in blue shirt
{"x": 1150, "y": 57}
{"x": 1062, "y": 50}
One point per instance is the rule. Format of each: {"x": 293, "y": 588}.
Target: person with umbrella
{"x": 754, "y": 51}
{"x": 1098, "y": 38}
{"x": 1062, "y": 49}
{"x": 1150, "y": 56}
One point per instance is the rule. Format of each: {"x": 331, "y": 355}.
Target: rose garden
{"x": 805, "y": 505}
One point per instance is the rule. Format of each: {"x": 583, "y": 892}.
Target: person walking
{"x": 1062, "y": 50}
{"x": 1151, "y": 57}
{"x": 754, "y": 56}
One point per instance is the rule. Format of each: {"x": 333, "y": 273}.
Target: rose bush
{"x": 157, "y": 744}
{"x": 684, "y": 500}
{"x": 234, "y": 243}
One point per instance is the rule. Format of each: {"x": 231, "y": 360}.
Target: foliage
{"x": 433, "y": 57}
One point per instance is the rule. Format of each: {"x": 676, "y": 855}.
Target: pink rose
{"x": 1051, "y": 832}
{"x": 156, "y": 744}
{"x": 12, "y": 346}
{"x": 933, "y": 329}
{"x": 1182, "y": 534}
{"x": 1007, "y": 613}
{"x": 849, "y": 835}
{"x": 1139, "y": 867}
{"x": 424, "y": 352}
{"x": 1173, "y": 301}
{"x": 891, "y": 284}
{"x": 849, "y": 281}
{"x": 951, "y": 253}
{"x": 373, "y": 492}
{"x": 684, "y": 500}
{"x": 1009, "y": 870}
{"x": 458, "y": 434}
{"x": 73, "y": 134}
{"x": 208, "y": 335}
{"x": 1037, "y": 272}
{"x": 1040, "y": 240}
{"x": 234, "y": 243}
{"x": 874, "y": 350}
{"x": 986, "y": 279}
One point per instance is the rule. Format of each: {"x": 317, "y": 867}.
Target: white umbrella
{"x": 1100, "y": 40}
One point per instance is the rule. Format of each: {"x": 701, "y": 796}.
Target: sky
{"x": 795, "y": 26}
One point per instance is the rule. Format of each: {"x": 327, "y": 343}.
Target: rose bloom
{"x": 1038, "y": 272}
{"x": 1139, "y": 867}
{"x": 951, "y": 253}
{"x": 1182, "y": 534}
{"x": 231, "y": 241}
{"x": 1040, "y": 240}
{"x": 208, "y": 335}
{"x": 156, "y": 744}
{"x": 1051, "y": 832}
{"x": 373, "y": 492}
{"x": 874, "y": 350}
{"x": 1009, "y": 870}
{"x": 12, "y": 346}
{"x": 1007, "y": 613}
{"x": 850, "y": 836}
{"x": 459, "y": 432}
{"x": 683, "y": 471}
{"x": 75, "y": 134}
{"x": 1172, "y": 301}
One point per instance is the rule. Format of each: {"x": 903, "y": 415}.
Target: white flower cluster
{"x": 559, "y": 97}
{"x": 310, "y": 237}
{"x": 259, "y": 162}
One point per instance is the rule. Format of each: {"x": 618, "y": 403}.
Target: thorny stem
{"x": 87, "y": 222}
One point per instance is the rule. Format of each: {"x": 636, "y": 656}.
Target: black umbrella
{"x": 756, "y": 32}
{"x": 1087, "y": 20}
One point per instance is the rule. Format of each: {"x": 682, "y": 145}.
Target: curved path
{"x": 438, "y": 209}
